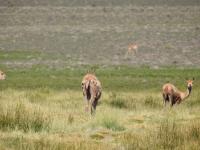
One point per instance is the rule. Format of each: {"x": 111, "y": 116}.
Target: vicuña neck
{"x": 186, "y": 94}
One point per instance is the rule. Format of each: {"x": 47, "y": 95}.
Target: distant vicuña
{"x": 132, "y": 50}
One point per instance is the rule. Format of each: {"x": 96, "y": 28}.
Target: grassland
{"x": 47, "y": 46}
{"x": 43, "y": 108}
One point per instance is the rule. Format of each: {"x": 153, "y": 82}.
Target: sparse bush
{"x": 23, "y": 118}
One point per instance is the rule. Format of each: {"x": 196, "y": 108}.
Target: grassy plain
{"x": 43, "y": 108}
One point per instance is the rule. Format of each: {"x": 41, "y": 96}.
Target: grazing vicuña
{"x": 92, "y": 90}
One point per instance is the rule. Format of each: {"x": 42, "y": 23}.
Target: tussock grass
{"x": 51, "y": 142}
{"x": 152, "y": 102}
{"x": 194, "y": 131}
{"x": 132, "y": 141}
{"x": 108, "y": 120}
{"x": 194, "y": 101}
{"x": 112, "y": 124}
{"x": 169, "y": 135}
{"x": 116, "y": 101}
{"x": 119, "y": 101}
{"x": 21, "y": 117}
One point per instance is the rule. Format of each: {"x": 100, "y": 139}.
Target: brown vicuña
{"x": 92, "y": 90}
{"x": 2, "y": 75}
{"x": 132, "y": 50}
{"x": 173, "y": 95}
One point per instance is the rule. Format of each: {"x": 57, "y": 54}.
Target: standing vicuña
{"x": 2, "y": 75}
{"x": 173, "y": 95}
{"x": 132, "y": 50}
{"x": 91, "y": 87}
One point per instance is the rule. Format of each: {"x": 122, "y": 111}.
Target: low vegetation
{"x": 21, "y": 117}
{"x": 168, "y": 135}
{"x": 43, "y": 108}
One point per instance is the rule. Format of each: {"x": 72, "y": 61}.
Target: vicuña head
{"x": 2, "y": 75}
{"x": 175, "y": 96}
{"x": 92, "y": 90}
